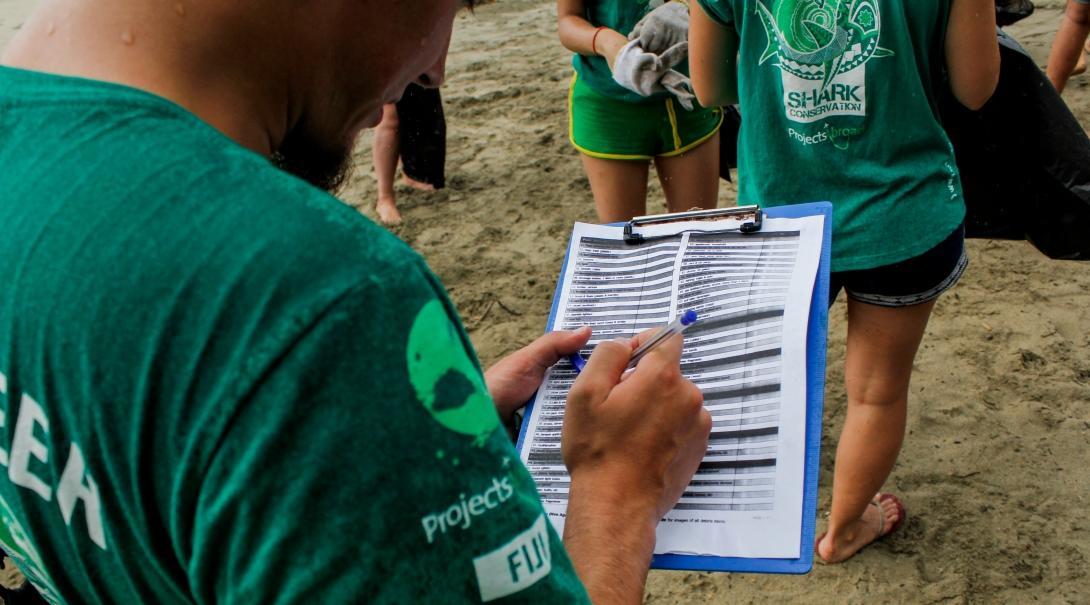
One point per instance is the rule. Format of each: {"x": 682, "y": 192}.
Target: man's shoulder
{"x": 321, "y": 232}
{"x": 302, "y": 244}
{"x": 154, "y": 166}
{"x": 159, "y": 198}
{"x": 255, "y": 213}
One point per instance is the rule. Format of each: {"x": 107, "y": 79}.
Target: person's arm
{"x": 713, "y": 60}
{"x": 972, "y": 51}
{"x": 631, "y": 447}
{"x": 578, "y": 35}
{"x": 1068, "y": 43}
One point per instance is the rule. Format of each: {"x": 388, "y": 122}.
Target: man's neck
{"x": 164, "y": 48}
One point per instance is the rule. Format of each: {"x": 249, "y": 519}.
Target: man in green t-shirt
{"x": 218, "y": 384}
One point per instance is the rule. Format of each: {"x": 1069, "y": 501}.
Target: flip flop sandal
{"x": 902, "y": 514}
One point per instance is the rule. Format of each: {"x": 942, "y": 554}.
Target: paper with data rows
{"x": 747, "y": 353}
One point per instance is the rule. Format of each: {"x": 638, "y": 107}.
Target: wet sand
{"x": 994, "y": 470}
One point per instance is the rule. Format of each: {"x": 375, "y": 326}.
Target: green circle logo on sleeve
{"x": 446, "y": 381}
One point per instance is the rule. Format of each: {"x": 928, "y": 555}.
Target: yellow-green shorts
{"x": 606, "y": 128}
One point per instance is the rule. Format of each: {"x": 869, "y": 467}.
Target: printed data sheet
{"x": 747, "y": 353}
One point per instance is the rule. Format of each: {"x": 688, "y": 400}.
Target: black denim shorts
{"x": 911, "y": 282}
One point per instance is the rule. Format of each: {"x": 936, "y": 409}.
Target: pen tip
{"x": 688, "y": 318}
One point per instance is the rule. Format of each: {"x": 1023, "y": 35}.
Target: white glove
{"x": 680, "y": 86}
{"x": 640, "y": 71}
{"x": 662, "y": 28}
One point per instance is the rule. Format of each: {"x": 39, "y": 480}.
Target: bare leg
{"x": 1080, "y": 65}
{"x": 882, "y": 344}
{"x": 384, "y": 151}
{"x": 691, "y": 180}
{"x": 619, "y": 187}
{"x": 1068, "y": 44}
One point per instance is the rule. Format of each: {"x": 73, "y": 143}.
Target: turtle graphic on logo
{"x": 822, "y": 47}
{"x": 446, "y": 381}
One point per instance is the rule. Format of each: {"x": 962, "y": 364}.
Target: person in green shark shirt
{"x": 839, "y": 103}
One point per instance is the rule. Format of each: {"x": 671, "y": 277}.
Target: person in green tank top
{"x": 838, "y": 99}
{"x": 619, "y": 131}
{"x": 220, "y": 384}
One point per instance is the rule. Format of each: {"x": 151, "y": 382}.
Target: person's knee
{"x": 1078, "y": 13}
{"x": 390, "y": 124}
{"x": 877, "y": 389}
{"x": 390, "y": 120}
{"x": 890, "y": 397}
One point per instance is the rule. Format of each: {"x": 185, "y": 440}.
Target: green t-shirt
{"x": 620, "y": 16}
{"x": 838, "y": 103}
{"x": 220, "y": 385}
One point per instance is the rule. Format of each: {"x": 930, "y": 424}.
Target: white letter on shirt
{"x": 77, "y": 485}
{"x": 24, "y": 445}
{"x": 3, "y": 416}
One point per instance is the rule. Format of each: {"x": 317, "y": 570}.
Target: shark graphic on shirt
{"x": 822, "y": 48}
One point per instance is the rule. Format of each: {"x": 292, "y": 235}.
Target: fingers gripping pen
{"x": 677, "y": 326}
{"x": 667, "y": 332}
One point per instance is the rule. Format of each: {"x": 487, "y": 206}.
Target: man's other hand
{"x": 514, "y": 379}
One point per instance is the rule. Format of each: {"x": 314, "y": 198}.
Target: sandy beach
{"x": 994, "y": 471}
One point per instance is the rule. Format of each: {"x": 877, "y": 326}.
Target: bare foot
{"x": 415, "y": 184}
{"x": 387, "y": 211}
{"x": 881, "y": 517}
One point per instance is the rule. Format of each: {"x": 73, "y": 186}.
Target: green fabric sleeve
{"x": 325, "y": 487}
{"x": 718, "y": 10}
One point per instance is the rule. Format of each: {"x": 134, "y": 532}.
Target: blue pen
{"x": 677, "y": 326}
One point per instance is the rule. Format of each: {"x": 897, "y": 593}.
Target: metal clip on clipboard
{"x": 753, "y": 213}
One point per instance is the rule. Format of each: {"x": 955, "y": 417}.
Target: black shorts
{"x": 422, "y": 135}
{"x": 912, "y": 282}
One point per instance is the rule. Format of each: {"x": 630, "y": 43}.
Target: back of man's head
{"x": 295, "y": 80}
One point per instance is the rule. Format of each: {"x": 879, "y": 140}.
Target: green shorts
{"x": 605, "y": 128}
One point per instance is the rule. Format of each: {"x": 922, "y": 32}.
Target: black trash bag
{"x": 22, "y": 593}
{"x": 728, "y": 141}
{"x": 1024, "y": 161}
{"x": 422, "y": 135}
{"x": 1012, "y": 11}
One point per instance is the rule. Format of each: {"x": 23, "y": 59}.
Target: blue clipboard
{"x": 817, "y": 331}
